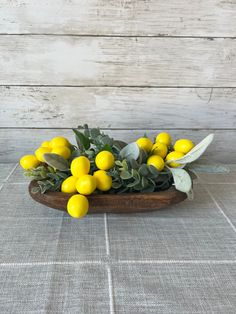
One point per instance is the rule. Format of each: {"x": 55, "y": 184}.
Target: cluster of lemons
{"x": 84, "y": 183}
{"x": 159, "y": 151}
{"x": 80, "y": 181}
{"x": 58, "y": 145}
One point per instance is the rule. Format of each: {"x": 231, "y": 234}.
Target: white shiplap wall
{"x": 123, "y": 65}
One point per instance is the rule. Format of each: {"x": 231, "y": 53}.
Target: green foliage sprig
{"x": 48, "y": 178}
{"x": 130, "y": 172}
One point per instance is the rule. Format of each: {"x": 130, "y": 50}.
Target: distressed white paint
{"x": 18, "y": 142}
{"x": 100, "y": 65}
{"x": 118, "y": 107}
{"x": 117, "y": 61}
{"x": 120, "y": 17}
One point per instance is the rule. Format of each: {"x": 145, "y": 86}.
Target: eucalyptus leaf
{"x": 35, "y": 190}
{"x": 153, "y": 171}
{"x": 144, "y": 170}
{"x": 56, "y": 161}
{"x": 144, "y": 182}
{"x": 52, "y": 176}
{"x": 148, "y": 189}
{"x": 135, "y": 174}
{"x": 62, "y": 175}
{"x": 125, "y": 175}
{"x": 133, "y": 163}
{"x": 196, "y": 152}
{"x": 182, "y": 180}
{"x": 94, "y": 132}
{"x": 133, "y": 184}
{"x": 118, "y": 163}
{"x": 130, "y": 151}
{"x": 142, "y": 156}
{"x": 116, "y": 185}
{"x": 105, "y": 140}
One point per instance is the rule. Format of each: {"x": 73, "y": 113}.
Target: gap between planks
{"x": 118, "y": 36}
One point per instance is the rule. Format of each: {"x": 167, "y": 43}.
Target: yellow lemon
{"x": 78, "y": 206}
{"x": 174, "y": 156}
{"x": 59, "y": 141}
{"x": 145, "y": 143}
{"x": 156, "y": 161}
{"x": 159, "y": 149}
{"x": 40, "y": 152}
{"x": 46, "y": 144}
{"x": 183, "y": 145}
{"x": 86, "y": 184}
{"x": 69, "y": 185}
{"x": 62, "y": 151}
{"x": 164, "y": 138}
{"x": 29, "y": 162}
{"x": 104, "y": 181}
{"x": 80, "y": 166}
{"x": 104, "y": 160}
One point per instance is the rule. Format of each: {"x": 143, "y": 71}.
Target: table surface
{"x": 180, "y": 259}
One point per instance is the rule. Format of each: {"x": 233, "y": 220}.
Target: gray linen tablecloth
{"x": 177, "y": 260}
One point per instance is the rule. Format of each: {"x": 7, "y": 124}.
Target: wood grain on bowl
{"x": 113, "y": 203}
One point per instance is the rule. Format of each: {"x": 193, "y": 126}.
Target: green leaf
{"x": 142, "y": 156}
{"x": 124, "y": 164}
{"x": 133, "y": 184}
{"x": 144, "y": 170}
{"x": 107, "y": 147}
{"x": 155, "y": 173}
{"x": 125, "y": 175}
{"x": 133, "y": 163}
{"x": 56, "y": 161}
{"x": 119, "y": 144}
{"x": 82, "y": 141}
{"x": 116, "y": 185}
{"x": 135, "y": 174}
{"x": 144, "y": 182}
{"x": 35, "y": 190}
{"x": 105, "y": 140}
{"x": 118, "y": 163}
{"x": 53, "y": 176}
{"x": 130, "y": 151}
{"x": 208, "y": 166}
{"x": 76, "y": 153}
{"x": 148, "y": 189}
{"x": 95, "y": 132}
{"x": 196, "y": 152}
{"x": 62, "y": 175}
{"x": 182, "y": 180}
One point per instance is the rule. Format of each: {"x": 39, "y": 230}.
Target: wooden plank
{"x": 120, "y": 17}
{"x": 118, "y": 107}
{"x": 93, "y": 61}
{"x": 17, "y": 142}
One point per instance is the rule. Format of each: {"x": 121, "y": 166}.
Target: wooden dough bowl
{"x": 113, "y": 203}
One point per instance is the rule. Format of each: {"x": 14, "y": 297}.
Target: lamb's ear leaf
{"x": 56, "y": 161}
{"x": 196, "y": 152}
{"x": 182, "y": 180}
{"x": 130, "y": 151}
{"x": 208, "y": 166}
